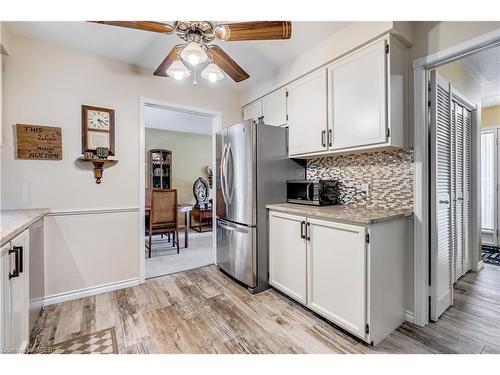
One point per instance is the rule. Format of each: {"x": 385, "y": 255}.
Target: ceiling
{"x": 261, "y": 59}
{"x": 484, "y": 66}
{"x": 167, "y": 119}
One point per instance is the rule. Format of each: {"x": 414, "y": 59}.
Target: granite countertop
{"x": 347, "y": 214}
{"x": 13, "y": 222}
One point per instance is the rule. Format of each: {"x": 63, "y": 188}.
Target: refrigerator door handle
{"x": 229, "y": 190}
{"x": 222, "y": 173}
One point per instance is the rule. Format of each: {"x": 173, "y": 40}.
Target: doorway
{"x": 444, "y": 253}
{"x": 177, "y": 158}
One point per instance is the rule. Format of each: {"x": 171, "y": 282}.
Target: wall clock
{"x": 98, "y": 129}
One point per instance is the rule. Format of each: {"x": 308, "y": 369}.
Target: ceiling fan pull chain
{"x": 195, "y": 83}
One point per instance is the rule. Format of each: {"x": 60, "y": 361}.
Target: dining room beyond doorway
{"x": 178, "y": 233}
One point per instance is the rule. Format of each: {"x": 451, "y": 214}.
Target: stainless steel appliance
{"x": 252, "y": 170}
{"x": 317, "y": 193}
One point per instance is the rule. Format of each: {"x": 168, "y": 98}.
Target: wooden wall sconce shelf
{"x": 98, "y": 166}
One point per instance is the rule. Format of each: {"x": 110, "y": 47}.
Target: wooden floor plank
{"x": 204, "y": 311}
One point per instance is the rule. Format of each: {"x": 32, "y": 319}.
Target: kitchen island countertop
{"x": 344, "y": 213}
{"x": 13, "y": 222}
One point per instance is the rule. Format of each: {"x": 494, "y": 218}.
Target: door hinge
{"x": 286, "y": 117}
{"x": 367, "y": 329}
{"x": 429, "y": 103}
{"x": 387, "y": 48}
{"x": 367, "y": 237}
{"x": 387, "y": 132}
{"x": 287, "y": 93}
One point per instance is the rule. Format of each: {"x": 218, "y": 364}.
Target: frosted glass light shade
{"x": 212, "y": 73}
{"x": 193, "y": 54}
{"x": 178, "y": 70}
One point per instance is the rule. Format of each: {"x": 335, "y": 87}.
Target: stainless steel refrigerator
{"x": 252, "y": 170}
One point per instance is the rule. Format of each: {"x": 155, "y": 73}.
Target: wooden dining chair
{"x": 163, "y": 217}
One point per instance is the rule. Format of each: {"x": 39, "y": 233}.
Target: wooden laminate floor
{"x": 203, "y": 311}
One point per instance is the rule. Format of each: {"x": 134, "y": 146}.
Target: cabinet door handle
{"x": 308, "y": 226}
{"x": 302, "y": 224}
{"x": 330, "y": 137}
{"x": 323, "y": 134}
{"x": 15, "y": 272}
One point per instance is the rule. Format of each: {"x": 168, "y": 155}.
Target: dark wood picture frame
{"x": 85, "y": 129}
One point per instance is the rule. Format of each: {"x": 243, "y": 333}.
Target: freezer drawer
{"x": 237, "y": 251}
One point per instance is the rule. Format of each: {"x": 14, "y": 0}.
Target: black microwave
{"x": 317, "y": 193}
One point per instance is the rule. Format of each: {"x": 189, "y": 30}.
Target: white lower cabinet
{"x": 14, "y": 298}
{"x": 287, "y": 272}
{"x": 351, "y": 275}
{"x": 336, "y": 270}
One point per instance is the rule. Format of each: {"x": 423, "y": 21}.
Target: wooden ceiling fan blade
{"x": 156, "y": 27}
{"x": 171, "y": 57}
{"x": 227, "y": 64}
{"x": 257, "y": 30}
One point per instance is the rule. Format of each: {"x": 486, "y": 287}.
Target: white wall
{"x": 47, "y": 84}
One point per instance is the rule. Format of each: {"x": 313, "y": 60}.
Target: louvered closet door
{"x": 458, "y": 220}
{"x": 467, "y": 247}
{"x": 441, "y": 245}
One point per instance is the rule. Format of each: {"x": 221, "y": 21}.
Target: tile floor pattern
{"x": 204, "y": 311}
{"x": 102, "y": 342}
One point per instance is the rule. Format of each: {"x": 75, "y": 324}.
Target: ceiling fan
{"x": 198, "y": 50}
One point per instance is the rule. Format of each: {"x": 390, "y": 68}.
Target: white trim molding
{"x": 421, "y": 67}
{"x": 409, "y": 316}
{"x": 91, "y": 291}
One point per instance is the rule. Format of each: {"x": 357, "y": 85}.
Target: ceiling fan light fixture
{"x": 193, "y": 54}
{"x": 212, "y": 73}
{"x": 178, "y": 70}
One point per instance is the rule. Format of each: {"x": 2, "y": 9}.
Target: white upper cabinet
{"x": 307, "y": 114}
{"x": 358, "y": 105}
{"x": 253, "y": 111}
{"x": 274, "y": 108}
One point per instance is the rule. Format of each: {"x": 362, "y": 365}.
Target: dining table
{"x": 182, "y": 207}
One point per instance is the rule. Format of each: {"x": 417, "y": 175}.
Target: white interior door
{"x": 458, "y": 185}
{"x": 467, "y": 208}
{"x": 441, "y": 257}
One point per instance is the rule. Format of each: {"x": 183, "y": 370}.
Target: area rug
{"x": 165, "y": 260}
{"x": 102, "y": 342}
{"x": 491, "y": 255}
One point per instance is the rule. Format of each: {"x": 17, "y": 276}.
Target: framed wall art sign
{"x": 36, "y": 142}
{"x": 98, "y": 129}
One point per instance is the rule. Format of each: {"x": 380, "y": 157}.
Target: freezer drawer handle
{"x": 17, "y": 250}
{"x": 231, "y": 228}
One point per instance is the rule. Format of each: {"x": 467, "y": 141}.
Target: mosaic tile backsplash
{"x": 389, "y": 175}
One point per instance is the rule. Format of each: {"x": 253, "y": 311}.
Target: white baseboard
{"x": 92, "y": 291}
{"x": 409, "y": 316}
